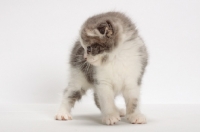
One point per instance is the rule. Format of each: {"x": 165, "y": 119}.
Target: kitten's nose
{"x": 85, "y": 56}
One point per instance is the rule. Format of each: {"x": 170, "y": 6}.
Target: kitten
{"x": 111, "y": 57}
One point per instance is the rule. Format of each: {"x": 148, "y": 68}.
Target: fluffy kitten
{"x": 111, "y": 58}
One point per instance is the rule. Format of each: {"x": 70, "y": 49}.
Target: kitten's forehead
{"x": 89, "y": 40}
{"x": 92, "y": 32}
{"x": 89, "y": 30}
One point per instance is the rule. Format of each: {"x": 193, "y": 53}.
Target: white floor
{"x": 86, "y": 118}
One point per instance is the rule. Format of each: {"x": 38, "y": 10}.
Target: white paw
{"x": 136, "y": 118}
{"x": 122, "y": 112}
{"x": 63, "y": 116}
{"x": 111, "y": 119}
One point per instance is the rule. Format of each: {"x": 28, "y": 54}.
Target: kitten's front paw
{"x": 136, "y": 118}
{"x": 111, "y": 119}
{"x": 63, "y": 116}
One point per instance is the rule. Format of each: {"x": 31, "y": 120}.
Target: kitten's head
{"x": 98, "y": 37}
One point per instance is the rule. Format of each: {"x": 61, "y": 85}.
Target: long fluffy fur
{"x": 111, "y": 58}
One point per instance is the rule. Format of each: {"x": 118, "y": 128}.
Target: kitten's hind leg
{"x": 72, "y": 94}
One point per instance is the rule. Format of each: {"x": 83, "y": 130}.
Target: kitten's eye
{"x": 89, "y": 49}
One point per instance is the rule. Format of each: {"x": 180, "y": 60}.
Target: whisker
{"x": 82, "y": 66}
{"x": 87, "y": 68}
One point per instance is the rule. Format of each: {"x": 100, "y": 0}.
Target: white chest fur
{"x": 123, "y": 64}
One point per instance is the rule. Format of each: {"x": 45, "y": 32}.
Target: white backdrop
{"x": 36, "y": 38}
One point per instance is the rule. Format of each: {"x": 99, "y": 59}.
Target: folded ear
{"x": 106, "y": 29}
